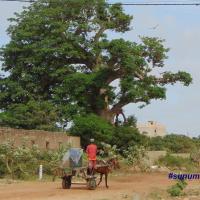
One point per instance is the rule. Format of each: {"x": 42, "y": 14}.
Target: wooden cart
{"x": 81, "y": 172}
{"x": 75, "y": 169}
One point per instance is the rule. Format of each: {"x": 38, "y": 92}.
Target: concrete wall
{"x": 153, "y": 156}
{"x": 152, "y": 129}
{"x": 44, "y": 139}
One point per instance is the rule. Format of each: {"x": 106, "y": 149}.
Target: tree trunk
{"x": 110, "y": 114}
{"x": 107, "y": 115}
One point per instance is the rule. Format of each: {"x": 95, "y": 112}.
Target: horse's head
{"x": 114, "y": 163}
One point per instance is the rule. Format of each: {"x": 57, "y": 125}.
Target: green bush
{"x": 93, "y": 126}
{"x": 135, "y": 156}
{"x": 126, "y": 136}
{"x": 176, "y": 162}
{"x": 23, "y": 162}
{"x": 176, "y": 190}
{"x": 174, "y": 143}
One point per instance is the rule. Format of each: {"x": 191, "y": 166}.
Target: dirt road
{"x": 121, "y": 187}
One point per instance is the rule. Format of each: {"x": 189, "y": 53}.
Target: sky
{"x": 180, "y": 27}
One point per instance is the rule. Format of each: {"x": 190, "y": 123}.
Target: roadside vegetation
{"x": 175, "y": 143}
{"x": 23, "y": 162}
{"x": 177, "y": 189}
{"x": 178, "y": 163}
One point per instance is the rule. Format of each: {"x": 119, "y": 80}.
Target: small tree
{"x": 135, "y": 156}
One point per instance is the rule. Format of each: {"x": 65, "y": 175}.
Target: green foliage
{"x": 18, "y": 162}
{"x": 135, "y": 156}
{"x": 23, "y": 162}
{"x": 108, "y": 150}
{"x": 60, "y": 56}
{"x": 156, "y": 144}
{"x": 125, "y": 136}
{"x": 176, "y": 190}
{"x": 33, "y": 115}
{"x": 92, "y": 126}
{"x": 179, "y": 143}
{"x": 173, "y": 143}
{"x": 171, "y": 161}
{"x": 177, "y": 162}
{"x": 51, "y": 160}
{"x": 131, "y": 121}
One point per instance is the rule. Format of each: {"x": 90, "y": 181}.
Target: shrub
{"x": 135, "y": 156}
{"x": 176, "y": 162}
{"x": 173, "y": 143}
{"x": 92, "y": 126}
{"x": 23, "y": 162}
{"x": 176, "y": 190}
{"x": 126, "y": 136}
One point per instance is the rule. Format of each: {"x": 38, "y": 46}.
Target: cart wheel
{"x": 91, "y": 184}
{"x": 66, "y": 182}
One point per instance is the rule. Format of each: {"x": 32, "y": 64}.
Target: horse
{"x": 105, "y": 167}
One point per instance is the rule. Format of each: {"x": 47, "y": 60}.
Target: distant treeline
{"x": 174, "y": 143}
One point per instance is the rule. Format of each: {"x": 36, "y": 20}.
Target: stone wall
{"x": 44, "y": 139}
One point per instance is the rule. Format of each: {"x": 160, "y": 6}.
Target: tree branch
{"x": 123, "y": 102}
{"x": 113, "y": 76}
{"x": 99, "y": 33}
{"x": 139, "y": 75}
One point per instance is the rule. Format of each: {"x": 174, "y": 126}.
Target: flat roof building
{"x": 152, "y": 129}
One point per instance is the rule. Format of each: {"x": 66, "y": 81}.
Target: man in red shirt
{"x": 91, "y": 151}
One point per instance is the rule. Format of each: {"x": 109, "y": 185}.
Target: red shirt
{"x": 91, "y": 151}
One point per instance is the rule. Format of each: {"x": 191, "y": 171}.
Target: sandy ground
{"x": 120, "y": 187}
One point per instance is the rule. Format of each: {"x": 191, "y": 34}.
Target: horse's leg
{"x": 101, "y": 175}
{"x": 106, "y": 179}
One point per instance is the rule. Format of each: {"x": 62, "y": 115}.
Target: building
{"x": 152, "y": 129}
{"x": 43, "y": 139}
